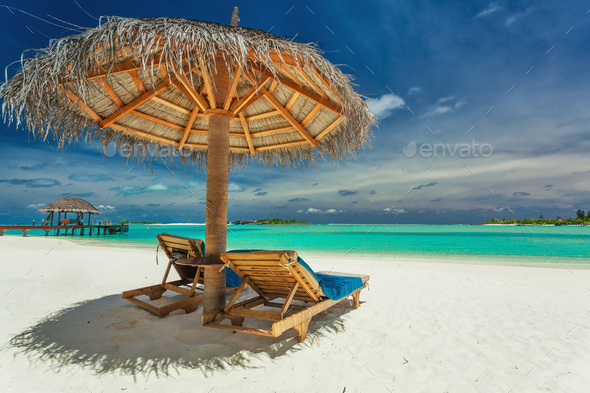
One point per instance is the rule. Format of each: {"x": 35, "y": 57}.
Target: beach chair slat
{"x": 258, "y": 314}
{"x": 238, "y": 257}
{"x": 265, "y": 268}
{"x": 259, "y": 332}
{"x": 243, "y": 276}
{"x": 236, "y": 294}
{"x": 310, "y": 289}
{"x": 301, "y": 295}
{"x": 253, "y": 302}
{"x": 178, "y": 289}
{"x": 144, "y": 305}
{"x": 270, "y": 278}
{"x": 309, "y": 312}
{"x": 260, "y": 275}
{"x": 175, "y": 242}
{"x": 289, "y": 299}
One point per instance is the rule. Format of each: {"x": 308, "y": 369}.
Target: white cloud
{"x": 331, "y": 211}
{"x": 313, "y": 211}
{"x": 36, "y": 206}
{"x": 442, "y": 100}
{"x": 233, "y": 187}
{"x": 384, "y": 105}
{"x": 444, "y": 105}
{"x": 394, "y": 211}
{"x": 107, "y": 207}
{"x": 157, "y": 187}
{"x": 513, "y": 18}
{"x": 299, "y": 211}
{"x": 414, "y": 90}
{"x": 493, "y": 7}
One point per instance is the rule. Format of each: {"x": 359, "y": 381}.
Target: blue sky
{"x": 458, "y": 75}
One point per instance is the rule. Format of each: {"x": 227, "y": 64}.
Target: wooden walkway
{"x": 69, "y": 229}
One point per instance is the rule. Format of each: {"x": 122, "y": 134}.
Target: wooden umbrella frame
{"x": 205, "y": 104}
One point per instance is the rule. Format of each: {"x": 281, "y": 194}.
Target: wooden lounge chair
{"x": 176, "y": 248}
{"x": 276, "y": 275}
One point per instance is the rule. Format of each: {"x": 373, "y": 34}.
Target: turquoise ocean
{"x": 524, "y": 245}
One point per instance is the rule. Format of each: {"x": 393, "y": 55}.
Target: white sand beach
{"x": 422, "y": 327}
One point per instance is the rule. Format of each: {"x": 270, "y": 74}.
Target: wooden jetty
{"x": 68, "y": 226}
{"x": 66, "y": 230}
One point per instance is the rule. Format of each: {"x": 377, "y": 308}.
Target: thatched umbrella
{"x": 69, "y": 205}
{"x": 223, "y": 96}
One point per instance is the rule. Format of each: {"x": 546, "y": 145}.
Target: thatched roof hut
{"x": 69, "y": 205}
{"x": 147, "y": 83}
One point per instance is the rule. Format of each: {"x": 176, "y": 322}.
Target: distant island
{"x": 582, "y": 218}
{"x": 271, "y": 221}
{"x": 140, "y": 222}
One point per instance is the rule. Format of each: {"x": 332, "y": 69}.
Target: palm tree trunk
{"x": 216, "y": 214}
{"x": 217, "y": 182}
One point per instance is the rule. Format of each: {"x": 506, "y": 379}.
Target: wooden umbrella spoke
{"x": 329, "y": 128}
{"x": 273, "y": 131}
{"x": 263, "y": 115}
{"x": 311, "y": 114}
{"x": 281, "y": 145}
{"x": 209, "y": 90}
{"x": 125, "y": 66}
{"x": 292, "y": 100}
{"x": 232, "y": 92}
{"x": 301, "y": 90}
{"x": 172, "y": 105}
{"x": 309, "y": 81}
{"x": 143, "y": 134}
{"x": 134, "y": 104}
{"x": 81, "y": 104}
{"x": 286, "y": 70}
{"x": 247, "y": 134}
{"x": 289, "y": 118}
{"x": 273, "y": 86}
{"x": 325, "y": 82}
{"x": 188, "y": 128}
{"x": 163, "y": 70}
{"x": 157, "y": 120}
{"x": 110, "y": 92}
{"x": 183, "y": 84}
{"x": 240, "y": 104}
{"x": 137, "y": 80}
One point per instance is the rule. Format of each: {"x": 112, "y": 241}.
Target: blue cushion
{"x": 334, "y": 287}
{"x": 232, "y": 280}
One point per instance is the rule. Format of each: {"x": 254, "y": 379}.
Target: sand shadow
{"x": 108, "y": 334}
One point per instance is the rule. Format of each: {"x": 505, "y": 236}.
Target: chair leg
{"x": 190, "y": 308}
{"x": 235, "y": 320}
{"x": 356, "y": 296}
{"x": 301, "y": 330}
{"x": 157, "y": 293}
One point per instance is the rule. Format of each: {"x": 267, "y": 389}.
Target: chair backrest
{"x": 193, "y": 248}
{"x": 273, "y": 274}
